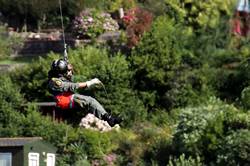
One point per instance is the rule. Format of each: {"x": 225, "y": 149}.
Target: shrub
{"x": 232, "y": 72}
{"x": 156, "y": 7}
{"x": 32, "y": 79}
{"x": 236, "y": 120}
{"x": 183, "y": 161}
{"x": 109, "y": 5}
{"x": 92, "y": 23}
{"x": 11, "y": 100}
{"x": 115, "y": 5}
{"x": 245, "y": 97}
{"x": 9, "y": 43}
{"x": 162, "y": 76}
{"x": 94, "y": 143}
{"x": 235, "y": 149}
{"x": 158, "y": 141}
{"x": 136, "y": 21}
{"x": 34, "y": 124}
{"x": 155, "y": 59}
{"x": 201, "y": 130}
{"x": 211, "y": 12}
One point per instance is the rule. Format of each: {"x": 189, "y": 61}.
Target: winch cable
{"x": 65, "y": 54}
{"x": 65, "y": 45}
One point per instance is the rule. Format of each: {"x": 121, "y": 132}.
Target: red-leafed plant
{"x": 136, "y": 21}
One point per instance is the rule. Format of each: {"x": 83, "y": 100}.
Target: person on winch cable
{"x": 62, "y": 88}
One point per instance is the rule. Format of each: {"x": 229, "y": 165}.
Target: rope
{"x": 64, "y": 43}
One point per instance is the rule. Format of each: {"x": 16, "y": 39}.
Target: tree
{"x": 162, "y": 76}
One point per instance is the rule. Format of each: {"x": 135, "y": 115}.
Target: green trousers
{"x": 89, "y": 104}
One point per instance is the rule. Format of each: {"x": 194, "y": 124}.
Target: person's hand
{"x": 93, "y": 82}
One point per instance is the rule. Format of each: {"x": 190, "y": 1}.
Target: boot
{"x": 111, "y": 119}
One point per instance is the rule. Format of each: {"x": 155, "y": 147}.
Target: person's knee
{"x": 92, "y": 99}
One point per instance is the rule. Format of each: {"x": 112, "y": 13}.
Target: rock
{"x": 107, "y": 36}
{"x": 92, "y": 122}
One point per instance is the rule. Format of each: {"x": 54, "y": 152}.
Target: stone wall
{"x": 35, "y": 47}
{"x": 43, "y": 43}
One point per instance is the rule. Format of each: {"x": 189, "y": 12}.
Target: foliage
{"x": 136, "y": 21}
{"x": 201, "y": 130}
{"x": 109, "y": 5}
{"x": 196, "y": 125}
{"x": 162, "y": 75}
{"x": 27, "y": 11}
{"x": 11, "y": 101}
{"x": 9, "y": 43}
{"x": 207, "y": 14}
{"x": 185, "y": 58}
{"x": 196, "y": 14}
{"x": 139, "y": 145}
{"x": 245, "y": 97}
{"x": 158, "y": 141}
{"x": 183, "y": 161}
{"x": 92, "y": 23}
{"x": 231, "y": 70}
{"x": 114, "y": 5}
{"x": 156, "y": 57}
{"x": 156, "y": 7}
{"x": 32, "y": 79}
{"x": 235, "y": 149}
{"x": 95, "y": 143}
{"x": 36, "y": 125}
{"x": 236, "y": 120}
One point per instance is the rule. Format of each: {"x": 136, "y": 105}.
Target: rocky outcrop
{"x": 92, "y": 122}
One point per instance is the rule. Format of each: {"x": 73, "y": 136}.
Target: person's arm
{"x": 90, "y": 83}
{"x": 82, "y": 84}
{"x": 58, "y": 85}
{"x": 64, "y": 86}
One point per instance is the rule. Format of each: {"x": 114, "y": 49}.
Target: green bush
{"x": 162, "y": 76}
{"x": 9, "y": 44}
{"x": 156, "y": 7}
{"x": 183, "y": 161}
{"x": 154, "y": 61}
{"x": 109, "y": 5}
{"x": 235, "y": 120}
{"x": 158, "y": 141}
{"x": 235, "y": 149}
{"x": 232, "y": 71}
{"x": 34, "y": 124}
{"x": 200, "y": 129}
{"x": 96, "y": 144}
{"x": 223, "y": 82}
{"x": 32, "y": 79}
{"x": 208, "y": 13}
{"x": 11, "y": 100}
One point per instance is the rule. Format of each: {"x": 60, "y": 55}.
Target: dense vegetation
{"x": 183, "y": 91}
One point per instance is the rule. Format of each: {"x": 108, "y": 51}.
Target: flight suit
{"x": 63, "y": 91}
